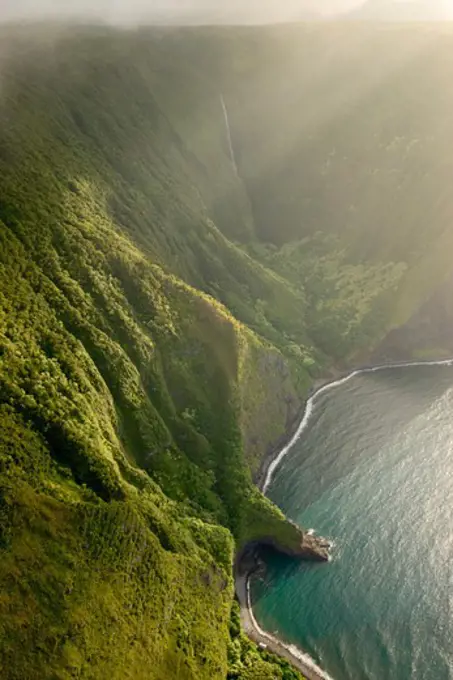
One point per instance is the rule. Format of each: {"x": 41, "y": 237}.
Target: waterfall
{"x": 228, "y": 129}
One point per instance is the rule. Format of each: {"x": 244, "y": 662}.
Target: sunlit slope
{"x": 348, "y": 123}
{"x": 131, "y": 402}
{"x": 346, "y": 130}
{"x": 94, "y": 396}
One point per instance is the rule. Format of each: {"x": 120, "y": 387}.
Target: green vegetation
{"x": 247, "y": 662}
{"x": 162, "y": 317}
{"x": 122, "y": 387}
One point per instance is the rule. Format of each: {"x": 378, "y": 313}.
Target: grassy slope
{"x": 153, "y": 342}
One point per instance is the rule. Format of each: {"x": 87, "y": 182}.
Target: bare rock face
{"x": 312, "y": 548}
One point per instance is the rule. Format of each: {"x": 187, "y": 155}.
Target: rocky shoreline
{"x": 312, "y": 548}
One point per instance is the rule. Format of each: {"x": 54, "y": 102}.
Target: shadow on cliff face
{"x": 265, "y": 562}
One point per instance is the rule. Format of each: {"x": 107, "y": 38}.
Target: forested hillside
{"x": 163, "y": 313}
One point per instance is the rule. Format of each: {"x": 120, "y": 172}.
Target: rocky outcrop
{"x": 312, "y": 548}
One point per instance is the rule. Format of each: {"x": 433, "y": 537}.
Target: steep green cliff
{"x": 164, "y": 313}
{"x": 126, "y": 393}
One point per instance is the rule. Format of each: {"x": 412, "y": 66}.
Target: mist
{"x": 174, "y": 11}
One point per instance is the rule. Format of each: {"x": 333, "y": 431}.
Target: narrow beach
{"x": 308, "y": 668}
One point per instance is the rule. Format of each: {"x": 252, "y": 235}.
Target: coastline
{"x": 335, "y": 378}
{"x": 291, "y": 653}
{"x": 296, "y": 657}
{"x": 302, "y": 662}
{"x": 289, "y": 435}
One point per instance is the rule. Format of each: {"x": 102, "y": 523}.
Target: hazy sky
{"x": 232, "y": 11}
{"x": 160, "y": 9}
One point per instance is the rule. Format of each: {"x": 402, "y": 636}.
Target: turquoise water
{"x": 373, "y": 470}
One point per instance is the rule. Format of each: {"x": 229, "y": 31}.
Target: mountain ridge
{"x": 163, "y": 317}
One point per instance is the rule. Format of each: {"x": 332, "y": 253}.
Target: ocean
{"x": 373, "y": 471}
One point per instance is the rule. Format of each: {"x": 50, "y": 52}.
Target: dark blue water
{"x": 373, "y": 470}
